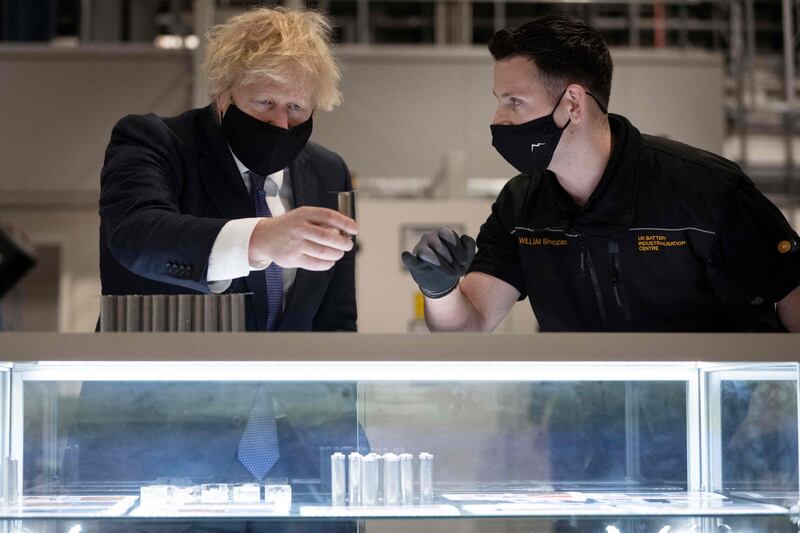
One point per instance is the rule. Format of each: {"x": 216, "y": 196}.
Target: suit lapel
{"x": 219, "y": 173}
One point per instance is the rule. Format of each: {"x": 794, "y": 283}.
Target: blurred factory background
{"x": 414, "y": 126}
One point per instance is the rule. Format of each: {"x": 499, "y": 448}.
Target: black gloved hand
{"x": 438, "y": 260}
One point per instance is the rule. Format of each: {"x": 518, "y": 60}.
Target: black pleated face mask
{"x": 263, "y": 148}
{"x": 529, "y": 147}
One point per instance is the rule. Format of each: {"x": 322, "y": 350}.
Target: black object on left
{"x": 16, "y": 257}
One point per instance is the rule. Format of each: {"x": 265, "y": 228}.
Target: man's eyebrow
{"x": 502, "y": 95}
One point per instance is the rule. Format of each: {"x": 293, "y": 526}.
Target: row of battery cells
{"x": 173, "y": 312}
{"x": 359, "y": 483}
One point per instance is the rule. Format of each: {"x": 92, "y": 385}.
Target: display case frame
{"x": 703, "y": 362}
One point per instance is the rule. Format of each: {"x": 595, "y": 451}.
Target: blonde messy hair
{"x": 277, "y": 44}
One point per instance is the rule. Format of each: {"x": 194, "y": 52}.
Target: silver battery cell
{"x": 338, "y": 490}
{"x": 370, "y": 473}
{"x": 10, "y": 488}
{"x": 122, "y": 306}
{"x": 347, "y": 205}
{"x": 237, "y": 312}
{"x": 211, "y": 312}
{"x": 354, "y": 478}
{"x": 391, "y": 479}
{"x": 172, "y": 312}
{"x": 406, "y": 479}
{"x": 425, "y": 479}
{"x": 225, "y": 312}
{"x": 185, "y": 312}
{"x": 108, "y": 313}
{"x": 133, "y": 312}
{"x": 147, "y": 313}
{"x": 159, "y": 312}
{"x": 198, "y": 312}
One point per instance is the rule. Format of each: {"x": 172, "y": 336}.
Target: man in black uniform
{"x": 605, "y": 229}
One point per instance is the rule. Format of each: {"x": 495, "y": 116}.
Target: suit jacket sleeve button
{"x": 188, "y": 269}
{"x": 181, "y": 270}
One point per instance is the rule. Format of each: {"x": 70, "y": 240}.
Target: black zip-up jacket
{"x": 673, "y": 238}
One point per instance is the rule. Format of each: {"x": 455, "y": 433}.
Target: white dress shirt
{"x": 230, "y": 254}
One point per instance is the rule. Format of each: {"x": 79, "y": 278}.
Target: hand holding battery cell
{"x": 312, "y": 238}
{"x": 439, "y": 260}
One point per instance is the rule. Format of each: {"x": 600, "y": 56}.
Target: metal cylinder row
{"x": 172, "y": 312}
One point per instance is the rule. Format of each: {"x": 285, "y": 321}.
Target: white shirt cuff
{"x": 230, "y": 255}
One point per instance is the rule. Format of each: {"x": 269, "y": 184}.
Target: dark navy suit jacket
{"x": 168, "y": 186}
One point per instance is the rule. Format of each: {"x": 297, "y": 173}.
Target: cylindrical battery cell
{"x": 391, "y": 479}
{"x": 406, "y": 479}
{"x": 337, "y": 479}
{"x": 425, "y": 479}
{"x": 354, "y": 478}
{"x": 347, "y": 205}
{"x": 133, "y": 312}
{"x": 10, "y": 488}
{"x": 370, "y": 473}
{"x": 108, "y": 313}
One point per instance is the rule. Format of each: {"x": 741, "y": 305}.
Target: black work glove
{"x": 438, "y": 260}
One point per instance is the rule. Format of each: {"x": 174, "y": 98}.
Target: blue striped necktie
{"x": 258, "y": 447}
{"x": 273, "y": 273}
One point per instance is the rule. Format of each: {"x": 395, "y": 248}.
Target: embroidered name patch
{"x": 656, "y": 243}
{"x": 542, "y": 241}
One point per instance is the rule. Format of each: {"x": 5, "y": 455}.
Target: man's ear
{"x": 576, "y": 95}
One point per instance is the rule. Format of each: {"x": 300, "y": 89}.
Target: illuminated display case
{"x": 607, "y": 433}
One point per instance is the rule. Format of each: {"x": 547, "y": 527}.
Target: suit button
{"x": 181, "y": 270}
{"x": 188, "y": 270}
{"x": 173, "y": 269}
{"x": 168, "y": 266}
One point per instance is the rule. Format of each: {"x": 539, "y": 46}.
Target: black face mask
{"x": 529, "y": 147}
{"x": 263, "y": 148}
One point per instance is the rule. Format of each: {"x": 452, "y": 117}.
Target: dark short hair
{"x": 564, "y": 49}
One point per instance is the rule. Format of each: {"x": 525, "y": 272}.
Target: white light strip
{"x": 353, "y": 371}
{"x": 715, "y": 368}
{"x": 751, "y": 373}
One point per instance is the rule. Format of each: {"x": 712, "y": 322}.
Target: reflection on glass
{"x": 759, "y": 436}
{"x": 527, "y": 434}
{"x": 119, "y": 436}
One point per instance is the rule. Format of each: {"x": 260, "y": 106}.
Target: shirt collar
{"x": 277, "y": 177}
{"x": 612, "y": 201}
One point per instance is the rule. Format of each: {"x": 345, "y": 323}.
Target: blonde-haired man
{"x": 232, "y": 197}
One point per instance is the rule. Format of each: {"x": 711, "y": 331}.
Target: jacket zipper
{"x": 586, "y": 253}
{"x": 616, "y": 280}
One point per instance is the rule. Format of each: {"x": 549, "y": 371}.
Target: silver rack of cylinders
{"x": 374, "y": 479}
{"x": 172, "y": 312}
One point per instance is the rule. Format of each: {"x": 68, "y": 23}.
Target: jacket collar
{"x": 612, "y": 201}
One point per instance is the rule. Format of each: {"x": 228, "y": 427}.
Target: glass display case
{"x": 345, "y": 432}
